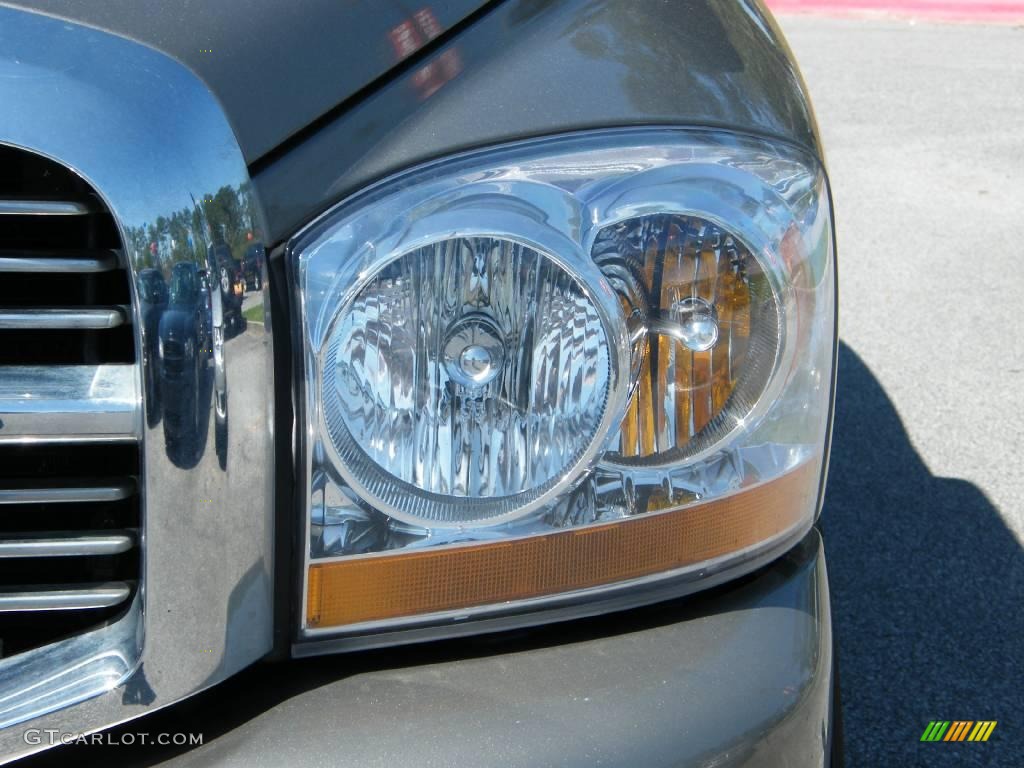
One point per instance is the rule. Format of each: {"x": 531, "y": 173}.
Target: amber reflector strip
{"x": 375, "y": 587}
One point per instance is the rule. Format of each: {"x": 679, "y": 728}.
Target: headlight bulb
{"x": 474, "y": 352}
{"x": 697, "y": 323}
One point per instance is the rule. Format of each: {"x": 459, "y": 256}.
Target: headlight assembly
{"x": 559, "y": 372}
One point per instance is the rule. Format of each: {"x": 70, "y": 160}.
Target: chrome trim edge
{"x": 152, "y": 141}
{"x": 71, "y": 671}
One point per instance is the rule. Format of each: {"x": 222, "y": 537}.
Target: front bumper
{"x": 739, "y": 676}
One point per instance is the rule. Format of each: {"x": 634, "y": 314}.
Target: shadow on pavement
{"x": 927, "y": 592}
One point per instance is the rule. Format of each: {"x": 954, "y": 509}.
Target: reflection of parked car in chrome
{"x": 182, "y": 344}
{"x": 152, "y": 302}
{"x": 232, "y": 285}
{"x": 206, "y": 305}
{"x": 220, "y": 379}
{"x": 252, "y": 267}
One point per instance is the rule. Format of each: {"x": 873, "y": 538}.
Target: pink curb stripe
{"x": 948, "y": 10}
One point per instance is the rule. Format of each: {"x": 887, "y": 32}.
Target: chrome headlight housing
{"x": 561, "y": 370}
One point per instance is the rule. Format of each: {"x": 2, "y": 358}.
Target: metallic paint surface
{"x": 273, "y": 66}
{"x": 540, "y": 67}
{"x": 151, "y": 138}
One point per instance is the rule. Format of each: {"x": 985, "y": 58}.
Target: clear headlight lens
{"x": 465, "y": 381}
{"x": 559, "y": 371}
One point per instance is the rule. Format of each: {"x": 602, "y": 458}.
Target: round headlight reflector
{"x": 466, "y": 381}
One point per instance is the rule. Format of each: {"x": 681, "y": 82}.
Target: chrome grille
{"x": 70, "y": 522}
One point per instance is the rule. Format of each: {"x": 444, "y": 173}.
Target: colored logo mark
{"x": 959, "y": 730}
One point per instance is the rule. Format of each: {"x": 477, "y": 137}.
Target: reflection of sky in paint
{"x": 142, "y": 128}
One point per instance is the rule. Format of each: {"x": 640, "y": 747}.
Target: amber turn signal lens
{"x": 376, "y": 587}
{"x": 707, "y": 309}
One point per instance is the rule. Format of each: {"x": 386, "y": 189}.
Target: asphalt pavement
{"x": 923, "y": 126}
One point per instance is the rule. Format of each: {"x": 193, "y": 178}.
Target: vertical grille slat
{"x": 70, "y": 409}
